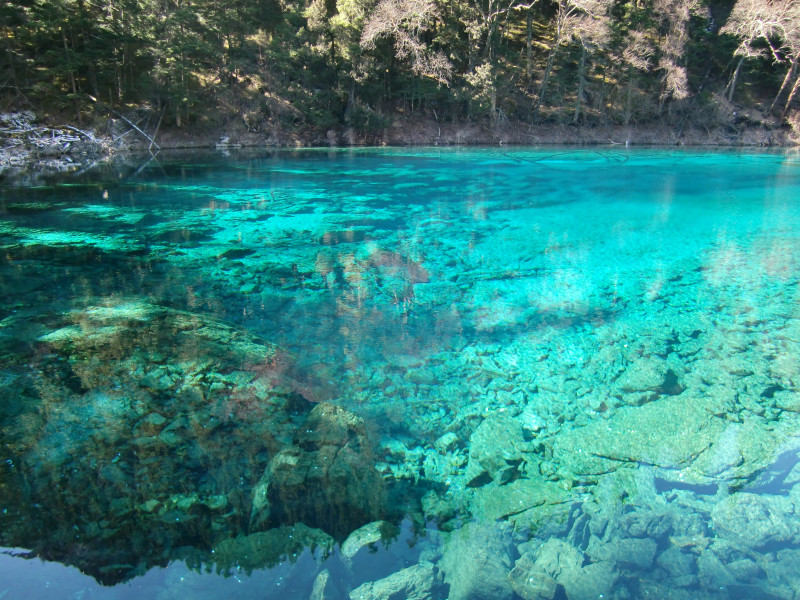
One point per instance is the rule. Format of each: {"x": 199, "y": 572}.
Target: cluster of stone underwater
{"x": 138, "y": 434}
{"x": 671, "y": 544}
{"x": 634, "y": 532}
{"x": 131, "y": 430}
{"x": 658, "y": 550}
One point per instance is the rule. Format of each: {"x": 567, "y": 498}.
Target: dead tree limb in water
{"x": 132, "y": 124}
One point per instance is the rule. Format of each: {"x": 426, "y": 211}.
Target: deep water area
{"x": 462, "y": 374}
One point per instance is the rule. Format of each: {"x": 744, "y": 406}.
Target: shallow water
{"x": 455, "y": 373}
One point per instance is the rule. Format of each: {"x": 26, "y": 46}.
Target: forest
{"x": 316, "y": 66}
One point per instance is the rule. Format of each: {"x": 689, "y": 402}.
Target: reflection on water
{"x": 294, "y": 576}
{"x": 433, "y": 374}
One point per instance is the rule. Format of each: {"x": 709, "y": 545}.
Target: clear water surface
{"x": 435, "y": 373}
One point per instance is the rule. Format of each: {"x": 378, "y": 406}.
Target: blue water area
{"x": 403, "y": 373}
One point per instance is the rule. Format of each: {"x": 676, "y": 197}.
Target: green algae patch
{"x": 129, "y": 327}
{"x": 28, "y": 236}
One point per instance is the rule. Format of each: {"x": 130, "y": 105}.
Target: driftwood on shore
{"x": 23, "y": 140}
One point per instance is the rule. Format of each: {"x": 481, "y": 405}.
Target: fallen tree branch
{"x": 129, "y": 122}
{"x": 158, "y": 125}
{"x": 83, "y": 133}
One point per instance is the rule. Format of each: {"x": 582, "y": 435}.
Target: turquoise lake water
{"x": 403, "y": 373}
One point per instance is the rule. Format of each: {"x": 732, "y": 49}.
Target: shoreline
{"x": 24, "y": 156}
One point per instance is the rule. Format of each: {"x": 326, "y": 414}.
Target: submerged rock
{"x": 370, "y": 552}
{"x": 266, "y": 548}
{"x": 444, "y": 508}
{"x": 476, "y": 561}
{"x": 323, "y": 588}
{"x": 546, "y": 520}
{"x": 643, "y": 376}
{"x": 628, "y": 553}
{"x": 646, "y": 523}
{"x": 783, "y": 573}
{"x": 595, "y": 580}
{"x": 418, "y": 582}
{"x": 788, "y": 400}
{"x": 496, "y": 451}
{"x": 681, "y": 566}
{"x": 559, "y": 559}
{"x": 757, "y": 520}
{"x": 446, "y": 443}
{"x": 531, "y": 582}
{"x": 669, "y": 433}
{"x": 327, "y": 478}
{"x": 364, "y": 539}
{"x": 712, "y": 572}
{"x": 493, "y": 502}
{"x": 542, "y": 570}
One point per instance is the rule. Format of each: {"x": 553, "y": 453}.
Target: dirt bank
{"x": 425, "y": 131}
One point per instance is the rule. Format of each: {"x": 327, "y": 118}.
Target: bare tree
{"x": 766, "y": 28}
{"x": 674, "y": 16}
{"x": 482, "y": 19}
{"x": 794, "y": 91}
{"x": 404, "y": 21}
{"x": 791, "y": 75}
{"x": 566, "y": 12}
{"x": 486, "y": 17}
{"x": 637, "y": 55}
{"x": 644, "y": 52}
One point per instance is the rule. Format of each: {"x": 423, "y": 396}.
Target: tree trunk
{"x": 731, "y": 88}
{"x": 792, "y": 94}
{"x": 490, "y": 35}
{"x": 10, "y": 57}
{"x": 545, "y": 78}
{"x": 581, "y": 83}
{"x": 84, "y": 37}
{"x": 786, "y": 80}
{"x": 118, "y": 82}
{"x": 71, "y": 76}
{"x": 560, "y": 22}
{"x": 628, "y": 113}
{"x": 119, "y": 55}
{"x": 529, "y": 47}
{"x": 351, "y": 102}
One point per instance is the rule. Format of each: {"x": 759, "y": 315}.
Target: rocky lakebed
{"x": 408, "y": 374}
